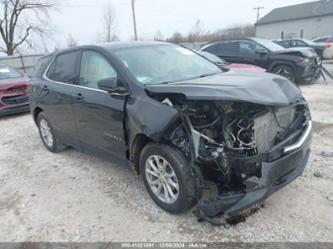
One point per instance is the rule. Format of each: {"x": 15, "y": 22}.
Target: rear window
{"x": 214, "y": 48}
{"x": 230, "y": 48}
{"x": 8, "y": 72}
{"x": 63, "y": 68}
{"x": 41, "y": 66}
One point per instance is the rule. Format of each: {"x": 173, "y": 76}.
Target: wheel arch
{"x": 36, "y": 112}
{"x": 139, "y": 142}
{"x": 281, "y": 63}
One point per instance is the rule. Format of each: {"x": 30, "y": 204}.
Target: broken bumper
{"x": 14, "y": 110}
{"x": 275, "y": 175}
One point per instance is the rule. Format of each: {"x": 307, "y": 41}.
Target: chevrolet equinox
{"x": 177, "y": 119}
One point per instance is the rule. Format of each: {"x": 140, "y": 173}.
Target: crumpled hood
{"x": 7, "y": 83}
{"x": 304, "y": 52}
{"x": 234, "y": 85}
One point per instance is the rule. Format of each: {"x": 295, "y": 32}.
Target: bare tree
{"x": 14, "y": 28}
{"x": 199, "y": 34}
{"x": 108, "y": 20}
{"x": 158, "y": 36}
{"x": 71, "y": 42}
{"x": 176, "y": 38}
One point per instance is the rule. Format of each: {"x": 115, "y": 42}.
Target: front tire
{"x": 285, "y": 71}
{"x": 168, "y": 178}
{"x": 47, "y": 134}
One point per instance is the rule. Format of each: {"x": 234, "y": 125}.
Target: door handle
{"x": 45, "y": 89}
{"x": 79, "y": 96}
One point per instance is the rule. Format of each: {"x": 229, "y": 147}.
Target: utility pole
{"x": 134, "y": 21}
{"x": 258, "y": 12}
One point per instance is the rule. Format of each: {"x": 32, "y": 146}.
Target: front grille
{"x": 270, "y": 124}
{"x": 15, "y": 100}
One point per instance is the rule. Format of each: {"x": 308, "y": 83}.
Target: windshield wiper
{"x": 206, "y": 75}
{"x": 165, "y": 82}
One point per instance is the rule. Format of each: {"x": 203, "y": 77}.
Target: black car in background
{"x": 323, "y": 39}
{"x": 299, "y": 65}
{"x": 298, "y": 43}
{"x": 177, "y": 119}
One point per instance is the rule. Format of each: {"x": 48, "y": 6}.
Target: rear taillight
{"x": 328, "y": 45}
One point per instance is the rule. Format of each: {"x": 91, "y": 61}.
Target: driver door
{"x": 249, "y": 53}
{"x": 99, "y": 115}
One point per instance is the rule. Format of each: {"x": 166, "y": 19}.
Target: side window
{"x": 293, "y": 44}
{"x": 94, "y": 67}
{"x": 63, "y": 68}
{"x": 40, "y": 66}
{"x": 248, "y": 48}
{"x": 285, "y": 44}
{"x": 214, "y": 49}
{"x": 300, "y": 43}
{"x": 229, "y": 48}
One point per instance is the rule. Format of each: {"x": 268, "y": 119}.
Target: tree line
{"x": 200, "y": 34}
{"x": 24, "y": 21}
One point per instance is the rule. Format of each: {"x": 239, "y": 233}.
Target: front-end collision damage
{"x": 236, "y": 145}
{"x": 249, "y": 136}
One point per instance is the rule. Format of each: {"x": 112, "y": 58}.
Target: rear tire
{"x": 285, "y": 71}
{"x": 166, "y": 172}
{"x": 47, "y": 134}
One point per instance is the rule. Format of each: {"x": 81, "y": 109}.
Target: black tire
{"x": 189, "y": 193}
{"x": 285, "y": 71}
{"x": 57, "y": 145}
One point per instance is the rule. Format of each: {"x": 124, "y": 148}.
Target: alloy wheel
{"x": 162, "y": 179}
{"x": 284, "y": 72}
{"x": 46, "y": 133}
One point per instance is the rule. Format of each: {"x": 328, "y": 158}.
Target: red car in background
{"x": 222, "y": 63}
{"x": 14, "y": 89}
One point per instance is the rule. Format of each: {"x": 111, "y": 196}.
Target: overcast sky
{"x": 82, "y": 18}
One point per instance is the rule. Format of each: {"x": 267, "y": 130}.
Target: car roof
{"x": 113, "y": 46}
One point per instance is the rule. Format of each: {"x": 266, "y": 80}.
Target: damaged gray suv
{"x": 177, "y": 119}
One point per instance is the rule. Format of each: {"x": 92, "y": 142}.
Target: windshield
{"x": 309, "y": 42}
{"x": 270, "y": 45}
{"x": 8, "y": 72}
{"x": 165, "y": 64}
{"x": 213, "y": 58}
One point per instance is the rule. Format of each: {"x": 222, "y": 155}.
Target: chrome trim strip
{"x": 301, "y": 141}
{"x": 67, "y": 84}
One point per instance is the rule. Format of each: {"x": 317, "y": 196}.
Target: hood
{"x": 263, "y": 88}
{"x": 304, "y": 52}
{"x": 7, "y": 83}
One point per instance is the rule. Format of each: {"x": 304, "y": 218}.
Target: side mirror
{"x": 110, "y": 85}
{"x": 261, "y": 51}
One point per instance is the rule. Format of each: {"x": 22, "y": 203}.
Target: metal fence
{"x": 23, "y": 63}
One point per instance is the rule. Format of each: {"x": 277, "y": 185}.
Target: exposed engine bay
{"x": 228, "y": 141}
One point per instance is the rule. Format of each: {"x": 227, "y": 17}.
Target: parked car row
{"x": 322, "y": 46}
{"x": 299, "y": 65}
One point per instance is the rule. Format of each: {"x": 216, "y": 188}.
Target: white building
{"x": 308, "y": 20}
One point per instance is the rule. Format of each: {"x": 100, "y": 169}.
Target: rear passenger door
{"x": 57, "y": 95}
{"x": 230, "y": 52}
{"x": 99, "y": 115}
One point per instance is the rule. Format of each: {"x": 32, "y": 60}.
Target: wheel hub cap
{"x": 162, "y": 179}
{"x": 46, "y": 133}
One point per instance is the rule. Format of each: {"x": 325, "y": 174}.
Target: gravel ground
{"x": 74, "y": 197}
